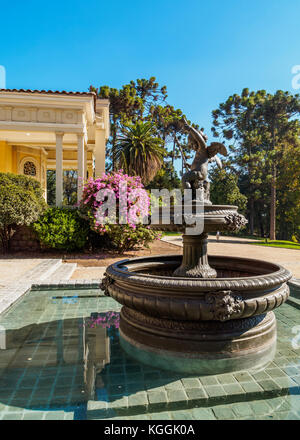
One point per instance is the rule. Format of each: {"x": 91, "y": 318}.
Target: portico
{"x": 45, "y": 130}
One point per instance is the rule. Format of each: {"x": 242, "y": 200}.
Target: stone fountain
{"x": 199, "y": 314}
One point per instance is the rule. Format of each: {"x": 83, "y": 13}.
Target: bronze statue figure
{"x": 196, "y": 177}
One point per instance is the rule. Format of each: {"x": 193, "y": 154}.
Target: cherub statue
{"x": 196, "y": 178}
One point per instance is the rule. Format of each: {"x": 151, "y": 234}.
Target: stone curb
{"x": 100, "y": 410}
{"x": 294, "y": 285}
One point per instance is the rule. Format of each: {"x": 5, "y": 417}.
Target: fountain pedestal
{"x": 195, "y": 262}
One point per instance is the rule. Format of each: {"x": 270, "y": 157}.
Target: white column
{"x": 99, "y": 152}
{"x": 59, "y": 168}
{"x": 85, "y": 162}
{"x": 80, "y": 161}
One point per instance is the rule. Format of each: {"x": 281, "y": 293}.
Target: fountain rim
{"x": 257, "y": 282}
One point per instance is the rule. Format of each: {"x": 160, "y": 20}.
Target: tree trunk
{"x": 273, "y": 205}
{"x": 261, "y": 223}
{"x": 251, "y": 223}
{"x": 173, "y": 156}
{"x": 6, "y": 235}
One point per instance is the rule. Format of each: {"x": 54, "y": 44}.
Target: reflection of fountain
{"x": 64, "y": 356}
{"x": 199, "y": 314}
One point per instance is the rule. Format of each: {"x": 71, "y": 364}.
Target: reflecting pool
{"x": 60, "y": 358}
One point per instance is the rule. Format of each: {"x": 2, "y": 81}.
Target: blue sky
{"x": 203, "y": 51}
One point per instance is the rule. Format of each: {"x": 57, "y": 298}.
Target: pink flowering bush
{"x": 115, "y": 206}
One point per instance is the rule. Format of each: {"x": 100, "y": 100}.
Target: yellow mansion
{"x": 46, "y": 130}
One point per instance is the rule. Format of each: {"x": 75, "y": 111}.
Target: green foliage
{"x": 123, "y": 238}
{"x": 288, "y": 192}
{"x": 62, "y": 229}
{"x": 224, "y": 189}
{"x": 280, "y": 244}
{"x": 51, "y": 187}
{"x": 144, "y": 100}
{"x": 265, "y": 133}
{"x": 21, "y": 203}
{"x": 166, "y": 177}
{"x": 69, "y": 187}
{"x": 139, "y": 152}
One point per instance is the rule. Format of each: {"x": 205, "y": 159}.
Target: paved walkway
{"x": 18, "y": 275}
{"x": 241, "y": 247}
{"x": 88, "y": 273}
{"x": 14, "y": 269}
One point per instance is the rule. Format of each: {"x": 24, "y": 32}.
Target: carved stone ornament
{"x": 235, "y": 221}
{"x": 106, "y": 282}
{"x": 223, "y": 304}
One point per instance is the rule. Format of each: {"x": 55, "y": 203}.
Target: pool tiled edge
{"x": 13, "y": 292}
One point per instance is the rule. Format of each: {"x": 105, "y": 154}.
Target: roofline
{"x": 52, "y": 92}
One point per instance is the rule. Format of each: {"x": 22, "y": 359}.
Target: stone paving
{"x": 40, "y": 271}
{"x": 88, "y": 273}
{"x": 13, "y": 269}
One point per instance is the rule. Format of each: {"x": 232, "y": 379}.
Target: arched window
{"x": 29, "y": 169}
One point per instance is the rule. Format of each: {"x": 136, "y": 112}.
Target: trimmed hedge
{"x": 63, "y": 229}
{"x": 21, "y": 203}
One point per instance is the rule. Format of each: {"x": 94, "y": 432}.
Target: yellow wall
{"x": 28, "y": 152}
{"x": 6, "y": 158}
{"x": 11, "y": 156}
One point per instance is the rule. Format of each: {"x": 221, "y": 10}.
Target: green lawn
{"x": 279, "y": 243}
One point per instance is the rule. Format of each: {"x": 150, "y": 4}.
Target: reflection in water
{"x": 55, "y": 362}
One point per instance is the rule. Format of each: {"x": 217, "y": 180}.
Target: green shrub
{"x": 21, "y": 203}
{"x": 62, "y": 229}
{"x": 123, "y": 238}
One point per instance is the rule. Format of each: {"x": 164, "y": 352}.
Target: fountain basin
{"x": 192, "y": 325}
{"x": 214, "y": 217}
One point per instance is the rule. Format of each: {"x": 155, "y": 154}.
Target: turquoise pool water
{"x": 60, "y": 358}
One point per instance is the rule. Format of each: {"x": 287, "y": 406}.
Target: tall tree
{"x": 277, "y": 125}
{"x": 259, "y": 124}
{"x": 224, "y": 189}
{"x": 165, "y": 178}
{"x": 139, "y": 152}
{"x": 235, "y": 121}
{"x": 144, "y": 100}
{"x": 70, "y": 187}
{"x": 288, "y": 191}
{"x": 124, "y": 104}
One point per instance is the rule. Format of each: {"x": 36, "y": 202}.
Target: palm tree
{"x": 138, "y": 152}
